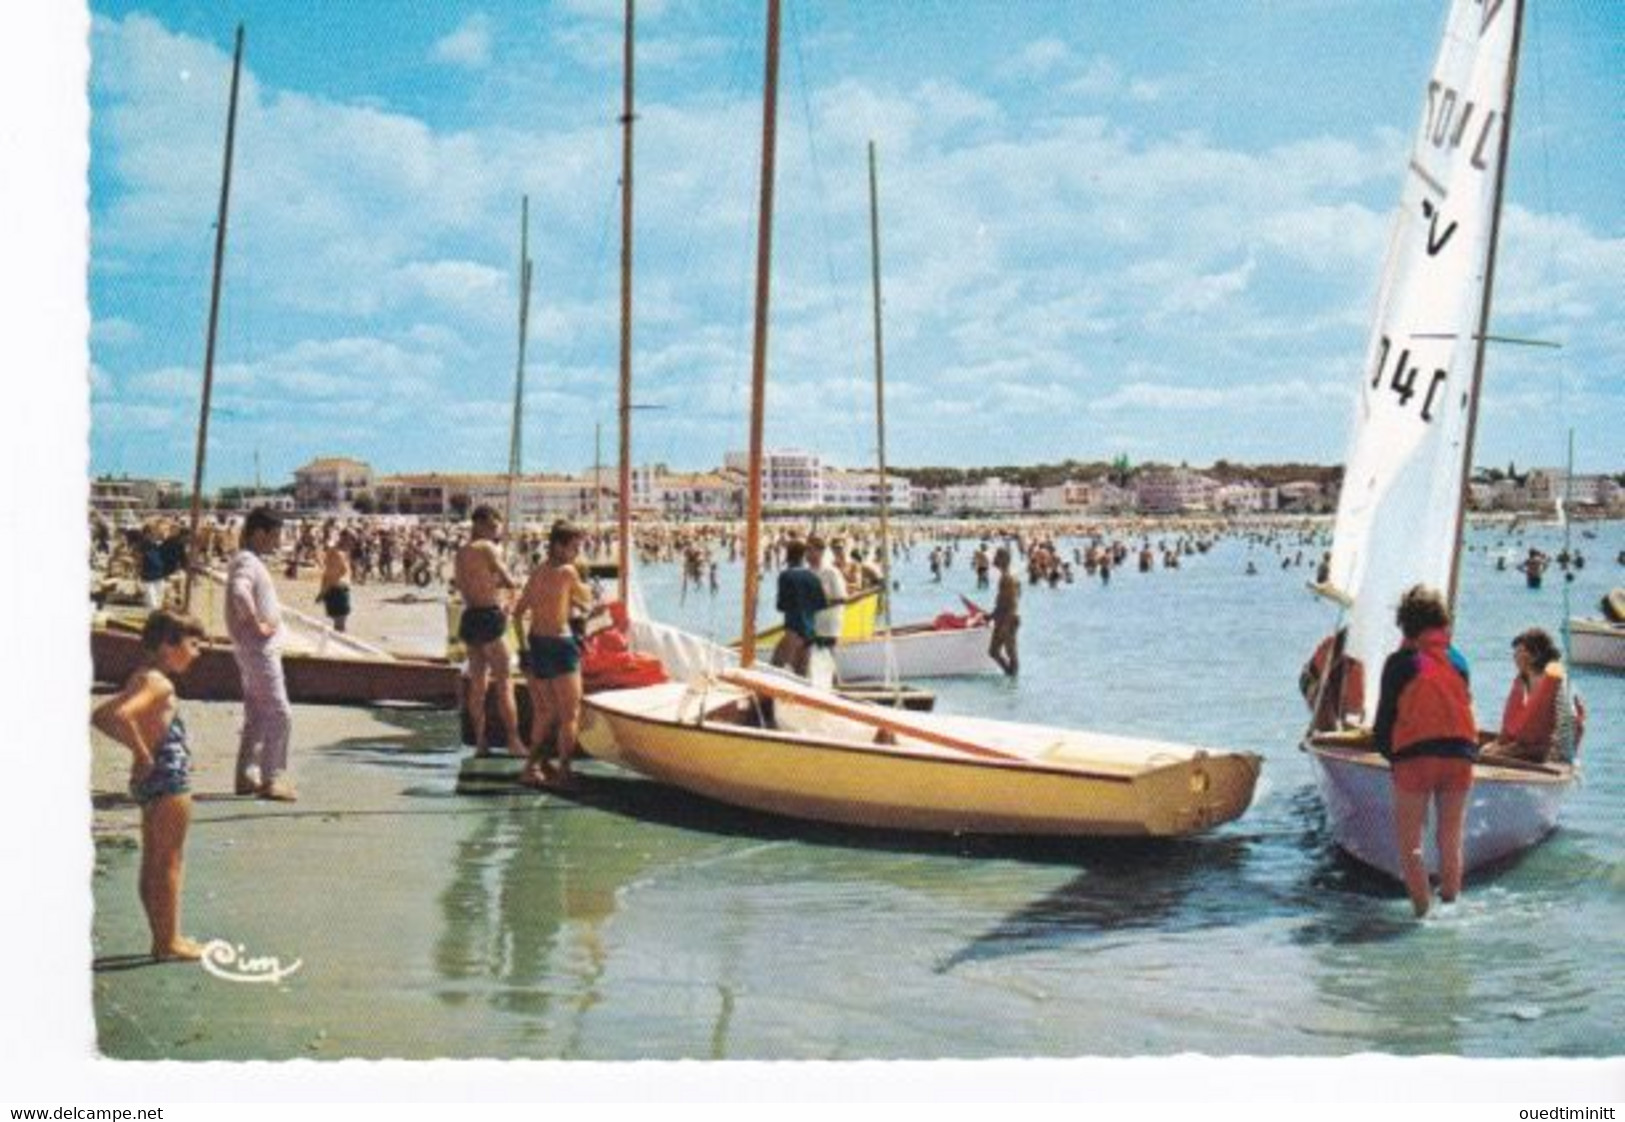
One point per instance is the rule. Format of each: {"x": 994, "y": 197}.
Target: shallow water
{"x": 634, "y": 922}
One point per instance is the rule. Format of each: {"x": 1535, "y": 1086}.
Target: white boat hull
{"x": 1510, "y": 810}
{"x": 1595, "y": 642}
{"x": 918, "y": 653}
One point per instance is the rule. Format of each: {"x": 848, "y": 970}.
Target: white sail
{"x": 1402, "y": 487}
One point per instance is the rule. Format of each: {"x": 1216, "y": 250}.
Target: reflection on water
{"x": 629, "y": 921}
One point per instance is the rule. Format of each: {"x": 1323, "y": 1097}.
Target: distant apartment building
{"x": 1302, "y": 496}
{"x": 123, "y": 495}
{"x": 1175, "y": 491}
{"x": 536, "y": 498}
{"x": 1243, "y": 497}
{"x": 990, "y": 496}
{"x": 791, "y": 479}
{"x": 860, "y": 490}
{"x": 1546, "y": 487}
{"x": 1074, "y": 496}
{"x": 331, "y": 483}
{"x": 701, "y": 495}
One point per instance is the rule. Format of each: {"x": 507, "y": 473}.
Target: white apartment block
{"x": 1174, "y": 492}
{"x": 790, "y": 478}
{"x": 989, "y": 496}
{"x": 1243, "y": 497}
{"x": 860, "y": 490}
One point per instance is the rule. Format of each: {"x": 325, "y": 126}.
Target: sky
{"x": 1144, "y": 230}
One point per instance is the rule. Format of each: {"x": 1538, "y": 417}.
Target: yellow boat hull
{"x": 907, "y": 787}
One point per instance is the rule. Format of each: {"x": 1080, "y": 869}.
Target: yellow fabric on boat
{"x": 857, "y": 622}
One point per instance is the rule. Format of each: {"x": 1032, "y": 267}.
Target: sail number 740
{"x": 1402, "y": 377}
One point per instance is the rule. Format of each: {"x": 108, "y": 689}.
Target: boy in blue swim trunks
{"x": 142, "y": 717}
{"x": 555, "y": 656}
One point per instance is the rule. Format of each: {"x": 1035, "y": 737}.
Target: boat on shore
{"x": 312, "y": 679}
{"x": 1401, "y": 511}
{"x": 766, "y": 741}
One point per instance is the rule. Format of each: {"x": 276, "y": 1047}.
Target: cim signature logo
{"x": 232, "y": 964}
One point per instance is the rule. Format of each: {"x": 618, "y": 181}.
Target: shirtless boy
{"x": 334, "y": 592}
{"x": 1006, "y": 615}
{"x": 555, "y": 656}
{"x": 142, "y": 717}
{"x": 483, "y": 579}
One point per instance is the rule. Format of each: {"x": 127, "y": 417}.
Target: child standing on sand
{"x": 142, "y": 717}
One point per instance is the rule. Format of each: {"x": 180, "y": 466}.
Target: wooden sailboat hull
{"x": 1510, "y": 810}
{"x": 1596, "y": 642}
{"x": 921, "y": 652}
{"x": 844, "y": 779}
{"x": 311, "y": 679}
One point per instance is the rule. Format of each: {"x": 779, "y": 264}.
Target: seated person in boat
{"x": 1538, "y": 723}
{"x": 484, "y": 581}
{"x": 555, "y": 655}
{"x": 800, "y": 598}
{"x": 1333, "y": 684}
{"x": 1426, "y": 729}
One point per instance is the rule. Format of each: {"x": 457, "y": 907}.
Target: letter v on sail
{"x": 1396, "y": 521}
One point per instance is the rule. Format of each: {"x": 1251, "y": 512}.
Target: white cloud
{"x": 114, "y": 331}
{"x": 468, "y": 46}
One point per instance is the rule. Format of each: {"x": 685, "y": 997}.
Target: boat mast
{"x": 625, "y": 491}
{"x": 880, "y": 395}
{"x": 758, "y": 377}
{"x": 516, "y": 437}
{"x": 1482, "y": 337}
{"x": 214, "y": 316}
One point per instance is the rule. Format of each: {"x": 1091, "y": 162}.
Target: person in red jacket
{"x": 1426, "y": 729}
{"x": 1532, "y": 721}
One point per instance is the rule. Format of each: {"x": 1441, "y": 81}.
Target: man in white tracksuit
{"x": 254, "y": 621}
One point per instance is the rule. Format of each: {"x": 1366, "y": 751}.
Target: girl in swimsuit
{"x": 142, "y": 717}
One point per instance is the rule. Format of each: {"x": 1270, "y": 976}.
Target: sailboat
{"x": 767, "y": 741}
{"x": 321, "y": 666}
{"x": 1401, "y": 513}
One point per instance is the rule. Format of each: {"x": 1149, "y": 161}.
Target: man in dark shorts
{"x": 484, "y": 581}
{"x": 801, "y": 598}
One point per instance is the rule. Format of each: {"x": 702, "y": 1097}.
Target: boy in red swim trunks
{"x": 142, "y": 717}
{"x": 1426, "y": 729}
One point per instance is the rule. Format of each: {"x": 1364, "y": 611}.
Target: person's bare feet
{"x": 181, "y": 950}
{"x": 536, "y": 776}
{"x": 517, "y": 750}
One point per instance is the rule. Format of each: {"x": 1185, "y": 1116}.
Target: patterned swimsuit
{"x": 171, "y": 767}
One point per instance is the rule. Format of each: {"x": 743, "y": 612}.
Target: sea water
{"x": 635, "y": 922}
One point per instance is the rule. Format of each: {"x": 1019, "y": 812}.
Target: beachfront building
{"x": 124, "y": 494}
{"x": 1303, "y": 496}
{"x": 991, "y": 496}
{"x": 1174, "y": 491}
{"x": 705, "y": 495}
{"x": 860, "y": 490}
{"x": 331, "y": 483}
{"x": 1243, "y": 497}
{"x": 537, "y": 498}
{"x": 791, "y": 479}
{"x": 1082, "y": 496}
{"x": 1546, "y": 487}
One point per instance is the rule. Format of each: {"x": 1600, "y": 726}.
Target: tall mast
{"x": 625, "y": 509}
{"x": 758, "y": 377}
{"x": 880, "y": 394}
{"x": 1484, "y": 307}
{"x": 516, "y": 438}
{"x": 214, "y": 314}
